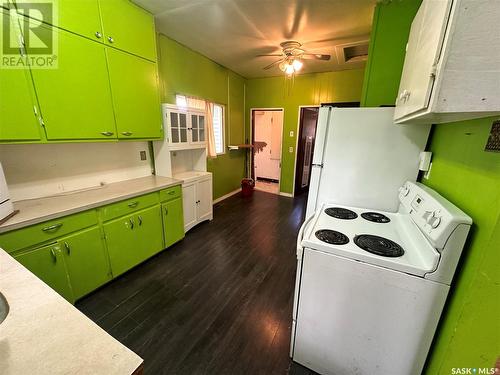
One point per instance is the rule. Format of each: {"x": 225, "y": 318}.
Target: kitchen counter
{"x": 44, "y": 334}
{"x": 189, "y": 176}
{"x": 34, "y": 211}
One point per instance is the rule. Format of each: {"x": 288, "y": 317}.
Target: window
{"x": 184, "y": 101}
{"x": 218, "y": 124}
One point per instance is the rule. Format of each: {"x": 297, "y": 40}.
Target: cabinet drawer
{"x": 170, "y": 193}
{"x": 128, "y": 206}
{"x": 49, "y": 230}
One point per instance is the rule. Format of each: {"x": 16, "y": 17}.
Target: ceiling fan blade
{"x": 274, "y": 63}
{"x": 270, "y": 54}
{"x": 315, "y": 56}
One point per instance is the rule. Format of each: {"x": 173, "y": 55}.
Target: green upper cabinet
{"x": 128, "y": 27}
{"x": 75, "y": 98}
{"x": 48, "y": 264}
{"x": 134, "y": 84}
{"x": 18, "y": 108}
{"x": 78, "y": 16}
{"x": 86, "y": 260}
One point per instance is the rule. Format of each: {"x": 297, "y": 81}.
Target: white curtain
{"x": 209, "y": 123}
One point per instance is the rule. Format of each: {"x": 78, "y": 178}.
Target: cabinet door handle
{"x": 54, "y": 256}
{"x": 52, "y": 227}
{"x": 139, "y": 218}
{"x": 131, "y": 223}
{"x": 110, "y": 39}
{"x": 98, "y": 35}
{"x": 166, "y": 211}
{"x": 107, "y": 134}
{"x": 133, "y": 204}
{"x": 67, "y": 247}
{"x": 127, "y": 134}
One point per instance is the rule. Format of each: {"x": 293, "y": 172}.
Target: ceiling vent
{"x": 352, "y": 53}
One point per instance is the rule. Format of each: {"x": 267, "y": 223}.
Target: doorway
{"x": 267, "y": 134}
{"x": 305, "y": 147}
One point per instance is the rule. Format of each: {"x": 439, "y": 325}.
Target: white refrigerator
{"x": 361, "y": 158}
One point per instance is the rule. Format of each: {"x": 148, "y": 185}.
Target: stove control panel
{"x": 432, "y": 214}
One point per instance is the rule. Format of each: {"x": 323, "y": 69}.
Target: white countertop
{"x": 34, "y": 211}
{"x": 44, "y": 334}
{"x": 189, "y": 176}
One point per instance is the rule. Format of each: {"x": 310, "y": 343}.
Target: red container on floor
{"x": 247, "y": 185}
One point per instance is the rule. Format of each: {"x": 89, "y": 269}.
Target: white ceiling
{"x": 233, "y": 32}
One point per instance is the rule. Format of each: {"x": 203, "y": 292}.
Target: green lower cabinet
{"x": 133, "y": 238}
{"x": 173, "y": 222}
{"x": 47, "y": 263}
{"x": 86, "y": 261}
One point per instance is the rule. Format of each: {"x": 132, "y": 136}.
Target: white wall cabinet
{"x": 186, "y": 127}
{"x": 452, "y": 64}
{"x": 196, "y": 198}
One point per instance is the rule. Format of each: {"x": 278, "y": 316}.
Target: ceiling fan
{"x": 292, "y": 56}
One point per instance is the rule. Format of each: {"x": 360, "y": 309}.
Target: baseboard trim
{"x": 286, "y": 194}
{"x": 220, "y": 199}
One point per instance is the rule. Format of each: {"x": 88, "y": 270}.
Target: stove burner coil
{"x": 379, "y": 245}
{"x": 341, "y": 213}
{"x": 375, "y": 217}
{"x": 332, "y": 237}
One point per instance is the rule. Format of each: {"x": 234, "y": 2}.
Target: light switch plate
{"x": 143, "y": 155}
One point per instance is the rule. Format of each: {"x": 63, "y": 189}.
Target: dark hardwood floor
{"x": 218, "y": 302}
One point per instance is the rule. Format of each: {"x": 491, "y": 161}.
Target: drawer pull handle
{"x": 68, "y": 248}
{"x": 139, "y": 218}
{"x": 52, "y": 227}
{"x": 133, "y": 204}
{"x": 171, "y": 192}
{"x": 131, "y": 223}
{"x": 127, "y": 134}
{"x": 110, "y": 39}
{"x": 107, "y": 134}
{"x": 54, "y": 256}
{"x": 98, "y": 35}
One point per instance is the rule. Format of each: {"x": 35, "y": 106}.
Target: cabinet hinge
{"x": 34, "y": 110}
{"x": 433, "y": 70}
{"x": 40, "y": 120}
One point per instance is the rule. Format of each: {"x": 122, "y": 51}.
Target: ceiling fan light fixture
{"x": 289, "y": 68}
{"x": 297, "y": 65}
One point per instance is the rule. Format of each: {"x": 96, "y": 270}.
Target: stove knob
{"x": 436, "y": 222}
{"x": 404, "y": 190}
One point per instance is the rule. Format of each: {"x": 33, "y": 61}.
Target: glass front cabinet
{"x": 186, "y": 127}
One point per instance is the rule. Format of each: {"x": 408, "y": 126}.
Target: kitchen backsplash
{"x": 40, "y": 170}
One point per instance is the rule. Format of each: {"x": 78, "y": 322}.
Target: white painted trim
{"x": 297, "y": 141}
{"x": 282, "y": 109}
{"x": 220, "y": 199}
{"x": 286, "y": 194}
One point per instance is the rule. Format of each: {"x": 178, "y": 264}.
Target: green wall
{"x": 184, "y": 71}
{"x": 469, "y": 332}
{"x": 308, "y": 89}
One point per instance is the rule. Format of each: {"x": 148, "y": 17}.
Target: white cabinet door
{"x": 204, "y": 199}
{"x": 198, "y": 132}
{"x": 189, "y": 199}
{"x": 177, "y": 122}
{"x": 423, "y": 52}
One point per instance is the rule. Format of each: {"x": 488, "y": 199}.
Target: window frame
{"x": 223, "y": 127}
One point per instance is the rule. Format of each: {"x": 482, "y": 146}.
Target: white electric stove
{"x": 371, "y": 285}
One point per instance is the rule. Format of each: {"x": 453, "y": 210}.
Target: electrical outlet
{"x": 290, "y": 150}
{"x": 291, "y": 133}
{"x": 143, "y": 155}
